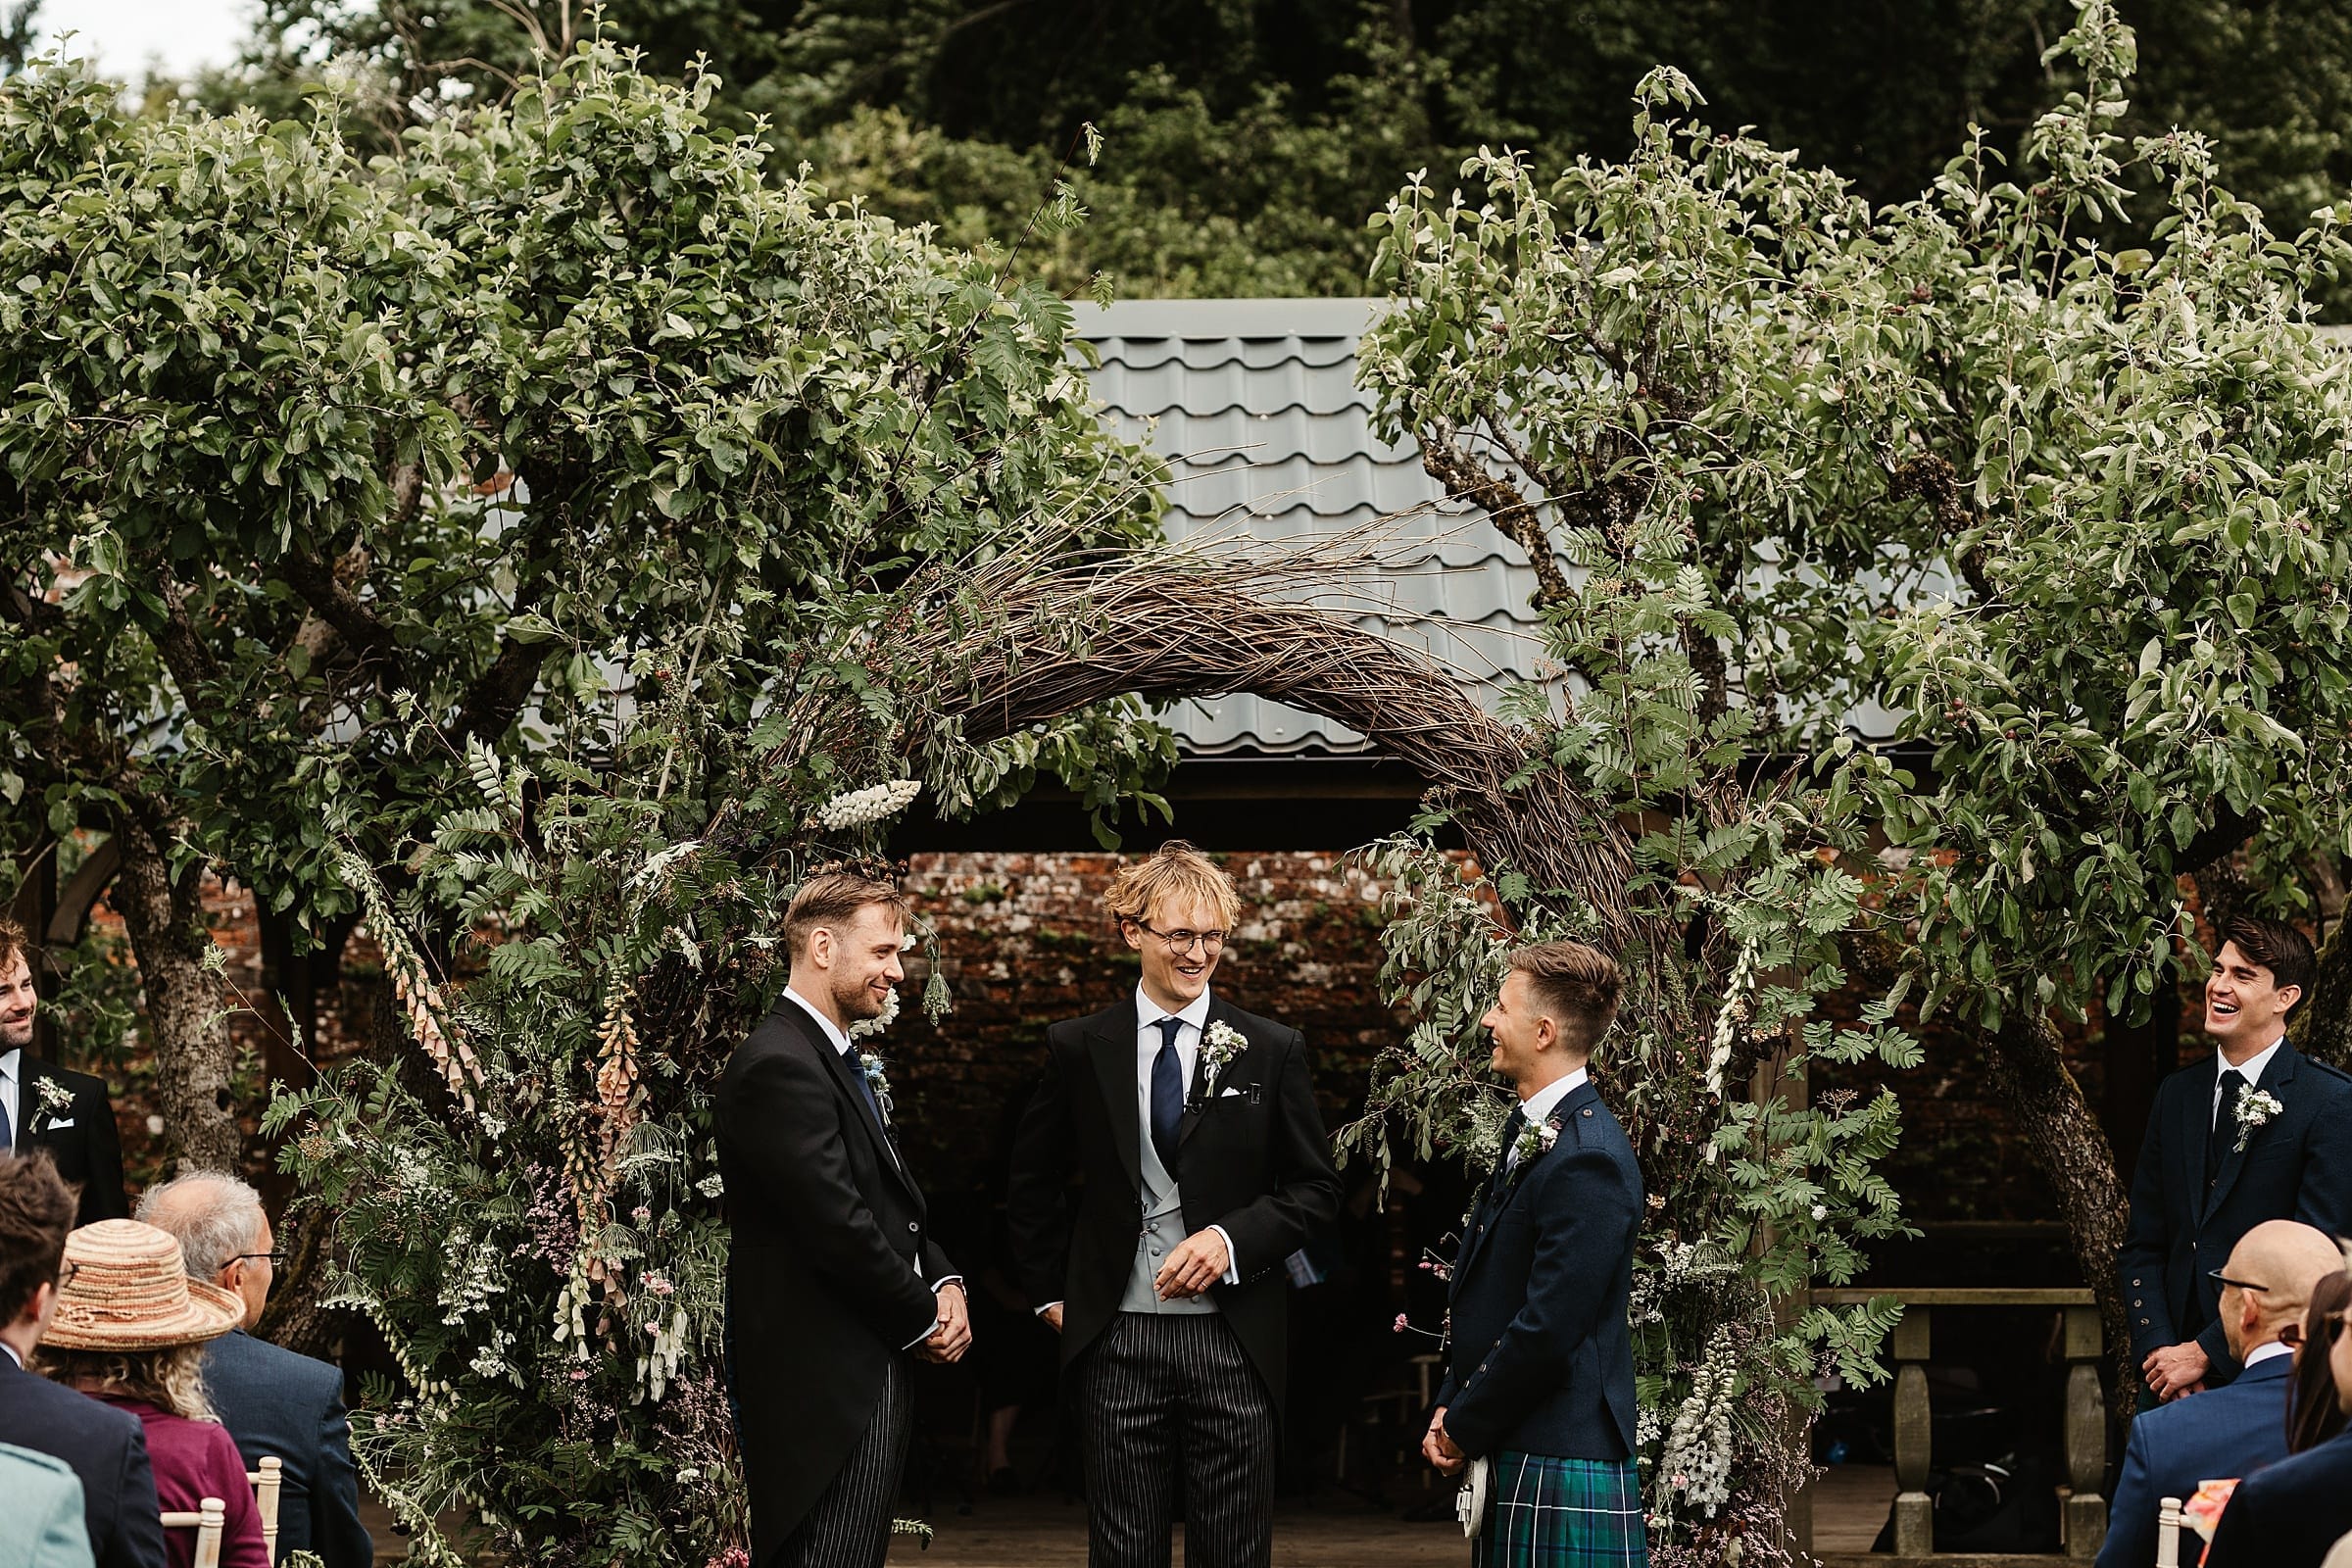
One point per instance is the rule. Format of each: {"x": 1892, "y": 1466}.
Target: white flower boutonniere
{"x": 1220, "y": 1042}
{"x": 56, "y": 1101}
{"x": 1536, "y": 1138}
{"x": 2255, "y": 1109}
{"x": 877, "y": 1078}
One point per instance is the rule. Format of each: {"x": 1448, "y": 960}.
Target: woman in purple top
{"x": 130, "y": 1330}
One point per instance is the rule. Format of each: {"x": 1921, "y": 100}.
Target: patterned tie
{"x": 2225, "y": 1115}
{"x": 1167, "y": 1094}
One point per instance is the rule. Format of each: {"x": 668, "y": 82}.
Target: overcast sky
{"x": 128, "y": 36}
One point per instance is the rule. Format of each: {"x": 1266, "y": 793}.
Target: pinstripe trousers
{"x": 849, "y": 1526}
{"x": 1175, "y": 1419}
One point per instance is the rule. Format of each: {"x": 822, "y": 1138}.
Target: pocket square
{"x": 1229, "y": 1092}
{"x": 56, "y": 1126}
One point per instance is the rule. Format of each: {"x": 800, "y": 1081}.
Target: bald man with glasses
{"x": 2241, "y": 1426}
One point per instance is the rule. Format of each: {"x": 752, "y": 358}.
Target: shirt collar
{"x": 2264, "y": 1353}
{"x": 1538, "y": 1107}
{"x": 1148, "y": 1012}
{"x": 11, "y": 1061}
{"x": 833, "y": 1031}
{"x": 2256, "y": 1065}
{"x": 10, "y": 1352}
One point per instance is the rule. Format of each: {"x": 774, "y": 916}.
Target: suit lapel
{"x": 1195, "y": 1101}
{"x": 1114, "y": 1053}
{"x": 1499, "y": 1194}
{"x": 2189, "y": 1132}
{"x": 32, "y": 1120}
{"x": 2275, "y": 1078}
{"x": 846, "y": 1083}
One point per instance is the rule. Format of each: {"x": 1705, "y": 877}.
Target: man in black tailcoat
{"x": 1190, "y": 1126}
{"x": 44, "y": 1106}
{"x": 832, "y": 1277}
{"x": 2257, "y": 1132}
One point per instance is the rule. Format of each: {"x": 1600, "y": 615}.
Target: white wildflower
{"x": 877, "y": 803}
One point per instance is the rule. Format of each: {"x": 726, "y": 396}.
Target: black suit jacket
{"x": 2297, "y": 1166}
{"x": 830, "y": 1270}
{"x": 106, "y": 1446}
{"x": 274, "y": 1401}
{"x": 1541, "y": 1359}
{"x": 1254, "y": 1161}
{"x": 81, "y": 1138}
{"x": 2286, "y": 1515}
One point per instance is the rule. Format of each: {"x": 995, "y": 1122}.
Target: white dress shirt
{"x": 2251, "y": 1072}
{"x": 11, "y": 1065}
{"x": 842, "y": 1043}
{"x": 1538, "y": 1107}
{"x": 2262, "y": 1353}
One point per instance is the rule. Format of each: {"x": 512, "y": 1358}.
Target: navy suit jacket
{"x": 1541, "y": 1359}
{"x": 2289, "y": 1513}
{"x": 2297, "y": 1166}
{"x": 106, "y": 1446}
{"x": 274, "y": 1401}
{"x": 2229, "y": 1431}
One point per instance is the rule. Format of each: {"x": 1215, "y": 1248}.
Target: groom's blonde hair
{"x": 1174, "y": 870}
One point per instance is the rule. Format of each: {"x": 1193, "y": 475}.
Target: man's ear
{"x": 2289, "y": 996}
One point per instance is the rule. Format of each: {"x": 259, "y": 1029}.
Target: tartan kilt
{"x": 1562, "y": 1513}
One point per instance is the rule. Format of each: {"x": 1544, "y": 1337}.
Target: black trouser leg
{"x": 850, "y": 1525}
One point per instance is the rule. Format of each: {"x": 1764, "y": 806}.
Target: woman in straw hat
{"x": 130, "y": 1330}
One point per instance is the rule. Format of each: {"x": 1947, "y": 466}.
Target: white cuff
{"x": 1233, "y": 1259}
{"x": 952, "y": 1279}
{"x": 1048, "y": 1307}
{"x": 938, "y": 1286}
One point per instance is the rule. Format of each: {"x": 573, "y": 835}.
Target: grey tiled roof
{"x": 1253, "y": 403}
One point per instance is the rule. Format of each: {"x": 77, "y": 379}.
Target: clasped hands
{"x": 1439, "y": 1448}
{"x": 953, "y": 1334}
{"x": 2176, "y": 1370}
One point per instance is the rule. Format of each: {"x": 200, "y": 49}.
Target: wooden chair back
{"x": 2168, "y": 1532}
{"x": 265, "y": 1482}
{"x": 210, "y": 1521}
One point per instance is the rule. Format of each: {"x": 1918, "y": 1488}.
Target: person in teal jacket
{"x": 41, "y": 1498}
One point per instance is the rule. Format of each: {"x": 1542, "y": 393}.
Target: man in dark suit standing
{"x": 1192, "y": 1128}
{"x": 2290, "y": 1515}
{"x": 832, "y": 1279}
{"x": 44, "y": 1106}
{"x": 106, "y": 1446}
{"x": 1539, "y": 1362}
{"x": 2258, "y": 1132}
{"x": 2239, "y": 1428}
{"x": 273, "y": 1400}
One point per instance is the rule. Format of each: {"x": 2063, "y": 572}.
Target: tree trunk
{"x": 2074, "y": 1155}
{"x": 2324, "y": 1022}
{"x": 164, "y": 915}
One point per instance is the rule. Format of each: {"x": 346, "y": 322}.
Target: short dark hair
{"x": 13, "y": 941}
{"x": 2278, "y": 947}
{"x": 1578, "y": 988}
{"x": 37, "y": 1211}
{"x": 833, "y": 899}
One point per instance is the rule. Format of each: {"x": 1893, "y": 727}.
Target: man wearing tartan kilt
{"x": 1539, "y": 1359}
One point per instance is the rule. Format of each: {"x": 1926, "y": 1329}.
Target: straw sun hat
{"x": 126, "y": 1287}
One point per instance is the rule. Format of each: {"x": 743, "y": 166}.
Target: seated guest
{"x": 41, "y": 1498}
{"x": 106, "y": 1449}
{"x": 2289, "y": 1514}
{"x": 273, "y": 1400}
{"x": 129, "y": 1332}
{"x": 2311, "y": 1413}
{"x": 43, "y": 1107}
{"x": 2238, "y": 1428}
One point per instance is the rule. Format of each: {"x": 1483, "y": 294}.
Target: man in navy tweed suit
{"x": 1539, "y": 1362}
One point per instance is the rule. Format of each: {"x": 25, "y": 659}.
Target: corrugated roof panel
{"x": 1255, "y": 405}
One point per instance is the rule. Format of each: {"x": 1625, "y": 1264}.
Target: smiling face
{"x": 1527, "y": 1041}
{"x": 1174, "y": 976}
{"x": 17, "y": 1001}
{"x": 2244, "y": 1008}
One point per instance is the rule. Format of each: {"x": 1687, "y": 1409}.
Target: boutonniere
{"x": 2255, "y": 1109}
{"x": 1536, "y": 1138}
{"x": 877, "y": 1078}
{"x": 56, "y": 1099}
{"x": 1220, "y": 1042}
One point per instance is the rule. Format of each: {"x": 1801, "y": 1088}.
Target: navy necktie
{"x": 2225, "y": 1123}
{"x": 1167, "y": 1094}
{"x": 1513, "y": 1126}
{"x": 8, "y": 1134}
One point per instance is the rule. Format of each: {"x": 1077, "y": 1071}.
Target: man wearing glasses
{"x": 2236, "y": 1429}
{"x": 273, "y": 1400}
{"x": 1203, "y": 1165}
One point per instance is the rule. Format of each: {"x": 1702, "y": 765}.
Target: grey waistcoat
{"x": 1163, "y": 1232}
